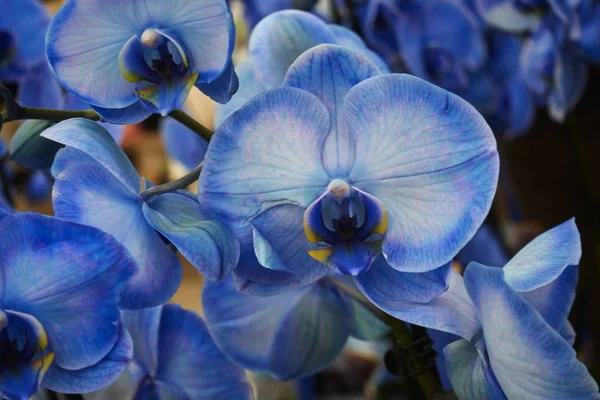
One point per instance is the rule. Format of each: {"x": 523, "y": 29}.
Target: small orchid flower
{"x": 97, "y": 185}
{"x": 290, "y": 335}
{"x": 131, "y": 59}
{"x": 276, "y": 42}
{"x": 59, "y": 306}
{"x": 343, "y": 164}
{"x": 174, "y": 357}
{"x": 513, "y": 320}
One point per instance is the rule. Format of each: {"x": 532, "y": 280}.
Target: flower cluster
{"x": 332, "y": 200}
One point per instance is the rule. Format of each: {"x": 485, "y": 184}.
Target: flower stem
{"x": 428, "y": 382}
{"x": 47, "y": 114}
{"x": 191, "y": 123}
{"x": 180, "y": 183}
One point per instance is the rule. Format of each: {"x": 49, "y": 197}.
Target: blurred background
{"x": 548, "y": 175}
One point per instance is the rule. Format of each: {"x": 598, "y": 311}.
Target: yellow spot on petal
{"x": 321, "y": 255}
{"x": 382, "y": 226}
{"x": 310, "y": 234}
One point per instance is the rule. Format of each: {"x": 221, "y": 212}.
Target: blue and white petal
{"x": 329, "y": 72}
{"x": 529, "y": 359}
{"x": 430, "y": 158}
{"x": 267, "y": 151}
{"x": 465, "y": 368}
{"x": 89, "y": 194}
{"x": 208, "y": 245}
{"x": 545, "y": 258}
{"x": 92, "y": 139}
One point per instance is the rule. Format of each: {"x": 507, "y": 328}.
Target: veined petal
{"x": 283, "y": 131}
{"x": 83, "y": 45}
{"x": 529, "y": 359}
{"x": 290, "y": 335}
{"x": 329, "y": 72}
{"x": 465, "y": 370}
{"x": 387, "y": 287}
{"x": 554, "y": 300}
{"x": 90, "y": 138}
{"x": 545, "y": 258}
{"x": 95, "y": 377}
{"x": 430, "y": 158}
{"x": 250, "y": 86}
{"x": 452, "y": 311}
{"x": 280, "y": 38}
{"x": 208, "y": 245}
{"x": 281, "y": 245}
{"x": 190, "y": 360}
{"x": 222, "y": 88}
{"x": 75, "y": 288}
{"x": 89, "y": 194}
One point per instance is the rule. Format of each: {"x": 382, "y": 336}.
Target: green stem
{"x": 49, "y": 114}
{"x": 191, "y": 123}
{"x": 180, "y": 183}
{"x": 428, "y": 382}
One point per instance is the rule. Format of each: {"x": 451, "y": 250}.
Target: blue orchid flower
{"x": 513, "y": 320}
{"x": 343, "y": 164}
{"x": 155, "y": 53}
{"x": 183, "y": 144}
{"x": 290, "y": 335}
{"x": 525, "y": 15}
{"x": 174, "y": 357}
{"x": 59, "y": 320}
{"x": 97, "y": 185}
{"x": 276, "y": 42}
{"x": 588, "y": 42}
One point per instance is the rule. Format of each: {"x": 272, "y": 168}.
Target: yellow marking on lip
{"x": 310, "y": 234}
{"x": 321, "y": 255}
{"x": 382, "y": 226}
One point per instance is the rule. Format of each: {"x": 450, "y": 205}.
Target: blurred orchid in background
{"x": 290, "y": 335}
{"x": 59, "y": 324}
{"x": 23, "y": 27}
{"x": 98, "y": 186}
{"x": 174, "y": 357}
{"x": 155, "y": 53}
